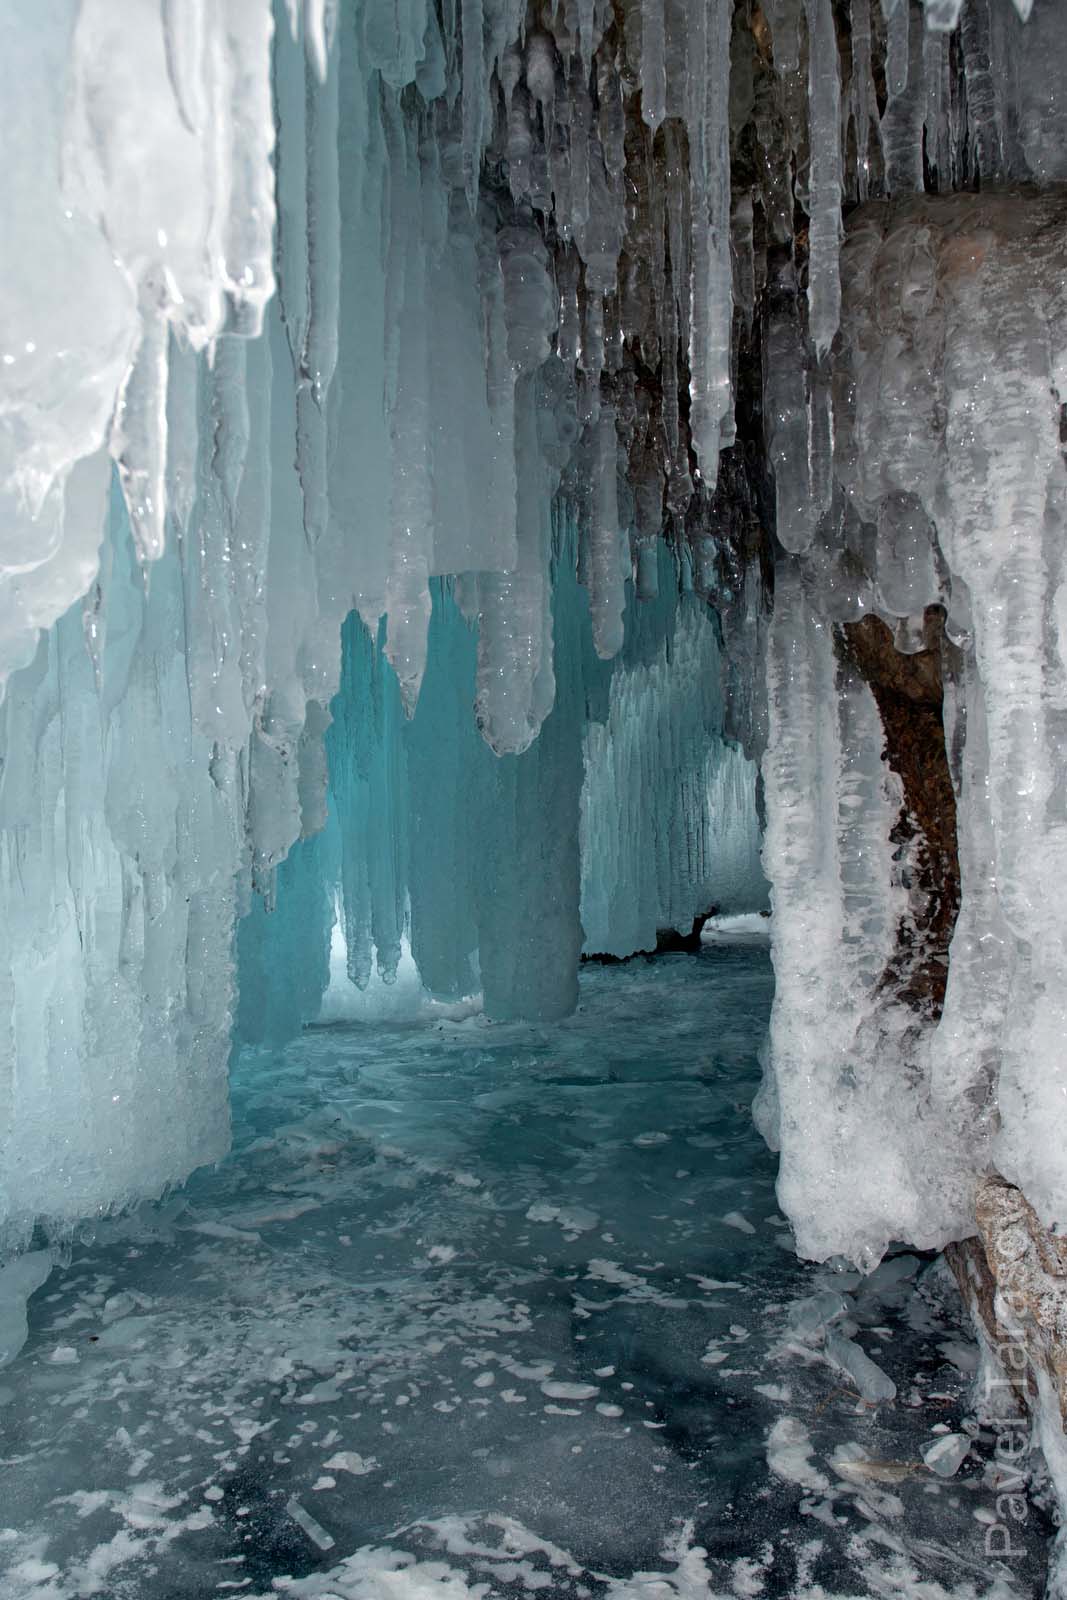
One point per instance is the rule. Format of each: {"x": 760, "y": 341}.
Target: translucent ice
{"x": 867, "y": 1375}
{"x": 947, "y": 1454}
{"x": 18, "y": 1280}
{"x": 957, "y": 462}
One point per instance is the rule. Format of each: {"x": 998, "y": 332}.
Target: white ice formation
{"x": 520, "y": 336}
{"x": 948, "y": 400}
{"x": 139, "y": 203}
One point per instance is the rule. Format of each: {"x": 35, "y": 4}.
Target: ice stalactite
{"x": 711, "y": 299}
{"x": 139, "y": 199}
{"x": 824, "y": 102}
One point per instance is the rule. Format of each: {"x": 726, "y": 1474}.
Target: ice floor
{"x": 485, "y": 1311}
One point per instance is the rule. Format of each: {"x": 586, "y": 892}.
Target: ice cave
{"x": 533, "y": 799}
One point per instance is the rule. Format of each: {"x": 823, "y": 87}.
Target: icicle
{"x": 611, "y": 120}
{"x": 608, "y": 565}
{"x": 898, "y": 13}
{"x": 744, "y": 258}
{"x": 320, "y": 20}
{"x": 902, "y": 124}
{"x": 502, "y": 490}
{"x": 411, "y": 512}
{"x": 679, "y": 481}
{"x": 515, "y": 682}
{"x": 786, "y": 406}
{"x": 593, "y": 341}
{"x": 907, "y": 579}
{"x": 469, "y": 519}
{"x": 824, "y": 98}
{"x": 821, "y": 440}
{"x": 359, "y": 473}
{"x": 251, "y": 530}
{"x": 141, "y": 443}
{"x": 581, "y": 117}
{"x": 540, "y": 65}
{"x": 520, "y": 144}
{"x": 981, "y": 94}
{"x": 318, "y": 359}
{"x": 559, "y": 176}
{"x": 515, "y": 685}
{"x": 784, "y": 19}
{"x": 184, "y": 33}
{"x": 943, "y": 15}
{"x": 600, "y": 238}
{"x": 183, "y": 426}
{"x": 861, "y": 92}
{"x": 586, "y": 32}
{"x": 658, "y": 850}
{"x": 711, "y": 290}
{"x": 245, "y": 203}
{"x": 473, "y": 96}
{"x": 230, "y": 420}
{"x": 934, "y": 122}
{"x": 291, "y": 162}
{"x": 653, "y": 63}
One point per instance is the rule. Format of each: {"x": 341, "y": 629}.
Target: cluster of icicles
{"x": 592, "y": 145}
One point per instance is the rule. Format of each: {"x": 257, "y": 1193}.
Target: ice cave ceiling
{"x": 483, "y": 481}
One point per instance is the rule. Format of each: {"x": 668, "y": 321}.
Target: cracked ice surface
{"x": 468, "y": 1313}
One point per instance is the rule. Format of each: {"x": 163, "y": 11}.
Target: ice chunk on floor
{"x": 810, "y": 1316}
{"x": 872, "y": 1383}
{"x": 947, "y": 1454}
{"x": 314, "y": 1530}
{"x": 20, "y": 1276}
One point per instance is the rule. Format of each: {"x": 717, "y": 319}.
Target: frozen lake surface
{"x": 478, "y": 1311}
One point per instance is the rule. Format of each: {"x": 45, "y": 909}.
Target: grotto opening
{"x": 533, "y": 799}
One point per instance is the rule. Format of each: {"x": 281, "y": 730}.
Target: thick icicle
{"x": 824, "y": 90}
{"x": 861, "y": 92}
{"x": 711, "y": 296}
{"x": 653, "y": 63}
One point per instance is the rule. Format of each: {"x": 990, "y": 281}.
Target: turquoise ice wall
{"x": 629, "y": 812}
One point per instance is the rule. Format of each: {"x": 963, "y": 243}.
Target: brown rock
{"x": 1028, "y": 1266}
{"x": 909, "y": 694}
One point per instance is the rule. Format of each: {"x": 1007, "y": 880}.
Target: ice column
{"x": 668, "y": 825}
{"x": 948, "y": 392}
